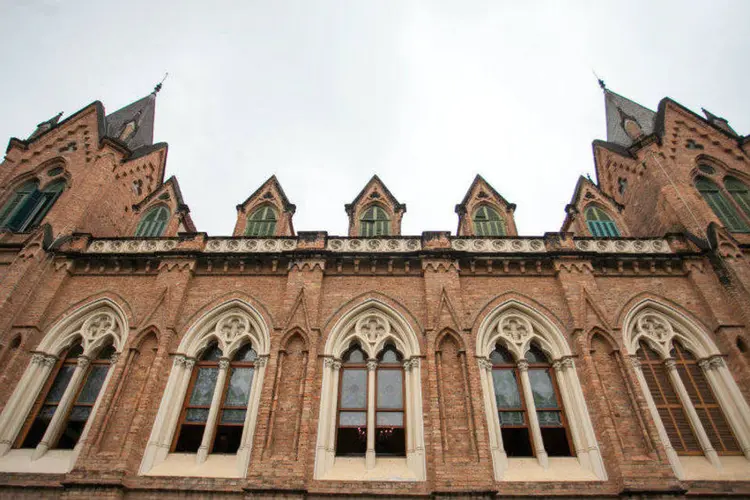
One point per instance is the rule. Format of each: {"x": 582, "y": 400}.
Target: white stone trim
{"x": 516, "y": 325}
{"x": 250, "y": 245}
{"x": 94, "y": 325}
{"x": 499, "y": 245}
{"x": 374, "y": 245}
{"x": 659, "y": 326}
{"x": 146, "y": 245}
{"x": 654, "y": 245}
{"x": 231, "y": 325}
{"x": 372, "y": 324}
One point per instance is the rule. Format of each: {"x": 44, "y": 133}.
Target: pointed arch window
{"x": 487, "y": 222}
{"x": 153, "y": 223}
{"x": 262, "y": 222}
{"x": 374, "y": 222}
{"x": 527, "y": 427}
{"x": 722, "y": 207}
{"x": 351, "y": 436}
{"x": 600, "y": 224}
{"x": 739, "y": 193}
{"x": 28, "y": 205}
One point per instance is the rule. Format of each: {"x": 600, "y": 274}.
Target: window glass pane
{"x": 196, "y": 415}
{"x": 390, "y": 389}
{"x": 238, "y": 391}
{"x": 353, "y": 388}
{"x": 389, "y": 418}
{"x": 47, "y": 412}
{"x": 352, "y": 418}
{"x": 512, "y": 418}
{"x": 246, "y": 354}
{"x": 355, "y": 356}
{"x": 212, "y": 353}
{"x": 389, "y": 356}
{"x": 233, "y": 416}
{"x": 60, "y": 384}
{"x": 535, "y": 355}
{"x": 93, "y": 384}
{"x": 79, "y": 413}
{"x": 203, "y": 390}
{"x": 506, "y": 389}
{"x": 549, "y": 418}
{"x": 501, "y": 356}
{"x": 541, "y": 386}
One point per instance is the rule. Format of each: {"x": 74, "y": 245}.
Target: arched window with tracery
{"x": 153, "y": 223}
{"x": 262, "y": 222}
{"x": 371, "y": 408}
{"x": 722, "y": 207}
{"x": 215, "y": 383}
{"x": 694, "y": 400}
{"x": 600, "y": 224}
{"x": 487, "y": 222}
{"x": 532, "y": 395}
{"x": 374, "y": 222}
{"x": 739, "y": 193}
{"x": 28, "y": 205}
{"x": 57, "y": 394}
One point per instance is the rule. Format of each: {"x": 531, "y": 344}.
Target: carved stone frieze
{"x": 624, "y": 246}
{"x": 252, "y": 245}
{"x": 377, "y": 245}
{"x": 148, "y": 245}
{"x": 491, "y": 245}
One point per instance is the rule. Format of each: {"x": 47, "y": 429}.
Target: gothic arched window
{"x": 154, "y": 222}
{"x": 722, "y": 207}
{"x": 374, "y": 222}
{"x": 28, "y": 205}
{"x": 351, "y": 435}
{"x": 390, "y": 421}
{"x": 262, "y": 222}
{"x": 487, "y": 222}
{"x": 739, "y": 192}
{"x": 600, "y": 224}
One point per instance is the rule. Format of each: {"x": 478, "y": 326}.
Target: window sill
{"x": 698, "y": 468}
{"x": 52, "y": 462}
{"x": 353, "y": 469}
{"x": 184, "y": 465}
{"x": 559, "y": 469}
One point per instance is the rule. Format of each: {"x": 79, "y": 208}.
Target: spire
{"x": 627, "y": 121}
{"x": 134, "y": 124}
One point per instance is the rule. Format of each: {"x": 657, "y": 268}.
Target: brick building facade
{"x": 140, "y": 358}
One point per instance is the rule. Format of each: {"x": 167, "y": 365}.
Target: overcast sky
{"x": 324, "y": 94}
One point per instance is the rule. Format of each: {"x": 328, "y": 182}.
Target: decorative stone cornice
{"x": 146, "y": 245}
{"x": 250, "y": 245}
{"x": 656, "y": 245}
{"x": 497, "y": 245}
{"x": 374, "y": 245}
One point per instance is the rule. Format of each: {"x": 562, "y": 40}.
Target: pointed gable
{"x": 375, "y": 208}
{"x": 587, "y": 194}
{"x": 627, "y": 121}
{"x": 170, "y": 196}
{"x": 482, "y": 194}
{"x": 268, "y": 203}
{"x": 133, "y": 125}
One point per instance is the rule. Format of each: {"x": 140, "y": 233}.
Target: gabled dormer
{"x": 375, "y": 211}
{"x": 162, "y": 213}
{"x": 592, "y": 213}
{"x": 484, "y": 212}
{"x": 266, "y": 212}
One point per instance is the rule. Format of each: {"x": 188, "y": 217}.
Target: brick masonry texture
{"x": 47, "y": 273}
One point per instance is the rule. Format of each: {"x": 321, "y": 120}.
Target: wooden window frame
{"x": 513, "y": 366}
{"x": 222, "y": 401}
{"x": 484, "y": 227}
{"x": 266, "y": 227}
{"x": 147, "y": 228}
{"x": 391, "y": 366}
{"x": 600, "y": 223}
{"x": 374, "y": 227}
{"x": 354, "y": 366}
{"x": 560, "y": 407}
{"x": 743, "y": 221}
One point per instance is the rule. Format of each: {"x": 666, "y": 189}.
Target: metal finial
{"x": 601, "y": 82}
{"x": 159, "y": 85}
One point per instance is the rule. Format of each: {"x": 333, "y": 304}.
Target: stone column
{"x": 695, "y": 420}
{"x": 372, "y": 366}
{"x": 213, "y": 412}
{"x": 536, "y": 432}
{"x": 63, "y": 408}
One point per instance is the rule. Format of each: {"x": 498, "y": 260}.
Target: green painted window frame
{"x": 262, "y": 222}
{"x": 487, "y": 222}
{"x": 600, "y": 224}
{"x": 721, "y": 206}
{"x": 374, "y": 222}
{"x": 28, "y": 205}
{"x": 739, "y": 192}
{"x": 154, "y": 222}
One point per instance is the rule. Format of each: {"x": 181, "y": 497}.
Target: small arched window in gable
{"x": 28, "y": 205}
{"x": 739, "y": 192}
{"x": 262, "y": 222}
{"x": 487, "y": 222}
{"x": 722, "y": 207}
{"x": 154, "y": 222}
{"x": 600, "y": 224}
{"x": 374, "y": 222}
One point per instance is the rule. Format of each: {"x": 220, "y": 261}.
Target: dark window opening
{"x": 517, "y": 442}
{"x": 36, "y": 432}
{"x": 227, "y": 439}
{"x": 190, "y": 438}
{"x": 390, "y": 441}
{"x": 556, "y": 442}
{"x": 741, "y": 345}
{"x": 70, "y": 436}
{"x": 351, "y": 441}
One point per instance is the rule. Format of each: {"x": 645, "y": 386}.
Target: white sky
{"x": 326, "y": 93}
